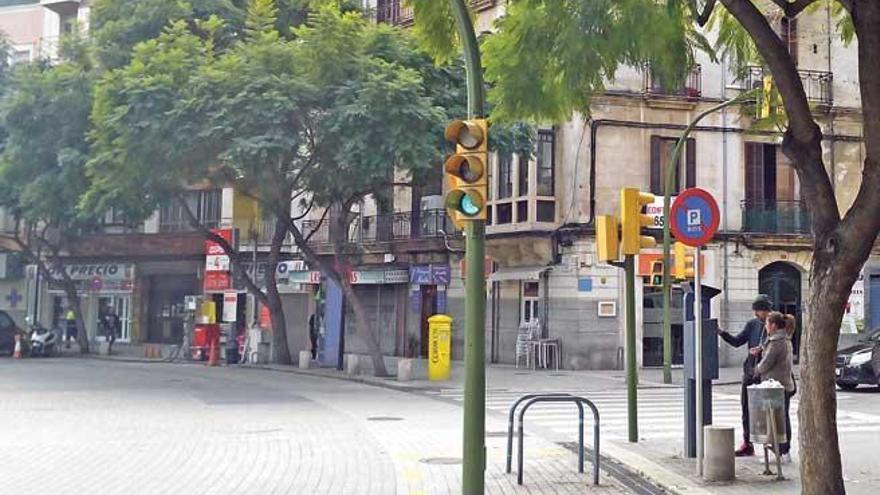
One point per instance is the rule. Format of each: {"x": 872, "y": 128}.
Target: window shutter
{"x": 690, "y": 174}
{"x": 754, "y": 172}
{"x": 656, "y": 179}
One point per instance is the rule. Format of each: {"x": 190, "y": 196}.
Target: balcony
{"x": 775, "y": 217}
{"x": 62, "y": 7}
{"x": 387, "y": 228}
{"x": 817, "y": 84}
{"x": 691, "y": 88}
{"x": 394, "y": 12}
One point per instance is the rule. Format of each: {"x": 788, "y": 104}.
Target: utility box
{"x": 710, "y": 350}
{"x": 439, "y": 347}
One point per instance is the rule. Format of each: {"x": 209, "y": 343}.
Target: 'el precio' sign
{"x": 91, "y": 271}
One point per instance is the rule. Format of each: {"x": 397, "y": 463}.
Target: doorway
{"x": 429, "y": 309}
{"x": 782, "y": 282}
{"x": 166, "y": 309}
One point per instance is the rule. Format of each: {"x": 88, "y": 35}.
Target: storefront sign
{"x": 214, "y": 249}
{"x": 285, "y": 267}
{"x": 430, "y": 274}
{"x": 217, "y": 263}
{"x": 379, "y": 277}
{"x": 217, "y": 281}
{"x": 103, "y": 271}
{"x": 230, "y": 306}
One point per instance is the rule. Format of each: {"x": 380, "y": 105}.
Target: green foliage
{"x": 548, "y": 57}
{"x": 434, "y": 28}
{"x": 333, "y": 113}
{"x": 42, "y": 168}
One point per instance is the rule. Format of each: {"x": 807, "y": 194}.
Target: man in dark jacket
{"x": 754, "y": 335}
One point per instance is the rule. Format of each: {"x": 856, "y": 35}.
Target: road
{"x": 87, "y": 426}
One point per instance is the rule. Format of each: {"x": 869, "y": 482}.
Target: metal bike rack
{"x": 538, "y": 398}
{"x": 510, "y": 422}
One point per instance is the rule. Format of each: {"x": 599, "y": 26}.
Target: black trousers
{"x": 314, "y": 339}
{"x": 785, "y": 447}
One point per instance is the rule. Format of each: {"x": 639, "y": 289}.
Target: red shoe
{"x": 745, "y": 450}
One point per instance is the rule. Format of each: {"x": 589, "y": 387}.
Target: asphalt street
{"x": 88, "y": 426}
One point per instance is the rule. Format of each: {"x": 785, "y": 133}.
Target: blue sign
{"x": 430, "y": 274}
{"x": 695, "y": 217}
{"x": 585, "y": 285}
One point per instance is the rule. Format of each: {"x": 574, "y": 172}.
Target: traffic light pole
{"x": 474, "y": 444}
{"x": 629, "y": 265}
{"x": 667, "y": 235}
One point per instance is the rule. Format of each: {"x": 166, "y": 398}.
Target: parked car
{"x": 859, "y": 364}
{"x": 8, "y": 330}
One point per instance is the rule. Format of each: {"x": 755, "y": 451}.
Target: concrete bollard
{"x": 404, "y": 370}
{"x": 352, "y": 366}
{"x": 305, "y": 359}
{"x": 718, "y": 459}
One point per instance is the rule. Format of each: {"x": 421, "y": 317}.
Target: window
{"x": 770, "y": 178}
{"x": 661, "y": 153}
{"x": 505, "y": 180}
{"x": 523, "y": 176}
{"x": 545, "y": 157}
{"x": 205, "y": 205}
{"x": 20, "y": 56}
{"x": 529, "y": 302}
{"x": 788, "y": 33}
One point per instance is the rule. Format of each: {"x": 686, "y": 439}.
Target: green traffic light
{"x": 467, "y": 206}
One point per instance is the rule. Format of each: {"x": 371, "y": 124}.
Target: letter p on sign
{"x": 694, "y": 218}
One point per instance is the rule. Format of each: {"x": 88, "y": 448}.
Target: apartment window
{"x": 788, "y": 33}
{"x": 770, "y": 178}
{"x": 522, "y": 172}
{"x": 505, "y": 178}
{"x": 545, "y": 158}
{"x": 661, "y": 154}
{"x": 205, "y": 205}
{"x": 530, "y": 298}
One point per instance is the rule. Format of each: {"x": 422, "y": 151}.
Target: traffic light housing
{"x": 608, "y": 238}
{"x": 684, "y": 262}
{"x": 467, "y": 169}
{"x": 632, "y": 220}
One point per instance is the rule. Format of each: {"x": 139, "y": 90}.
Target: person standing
{"x": 754, "y": 335}
{"x": 70, "y": 330}
{"x": 777, "y": 362}
{"x": 112, "y": 325}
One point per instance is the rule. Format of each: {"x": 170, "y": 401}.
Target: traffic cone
{"x": 213, "y": 354}
{"x": 17, "y": 353}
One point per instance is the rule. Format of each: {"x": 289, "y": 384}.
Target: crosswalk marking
{"x": 661, "y": 412}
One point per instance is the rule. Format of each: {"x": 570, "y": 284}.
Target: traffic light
{"x": 466, "y": 169}
{"x": 608, "y": 238}
{"x": 684, "y": 262}
{"x": 655, "y": 278}
{"x": 632, "y": 220}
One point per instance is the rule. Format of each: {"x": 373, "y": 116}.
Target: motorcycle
{"x": 43, "y": 341}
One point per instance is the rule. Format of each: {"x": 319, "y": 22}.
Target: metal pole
{"x": 698, "y": 358}
{"x": 631, "y": 376}
{"x": 474, "y": 441}
{"x": 667, "y": 235}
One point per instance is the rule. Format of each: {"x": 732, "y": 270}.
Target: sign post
{"x": 694, "y": 221}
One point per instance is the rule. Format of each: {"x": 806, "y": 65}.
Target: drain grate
{"x": 441, "y": 461}
{"x": 384, "y": 418}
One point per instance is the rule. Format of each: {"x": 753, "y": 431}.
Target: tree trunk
{"x": 276, "y": 309}
{"x": 364, "y": 331}
{"x": 820, "y": 465}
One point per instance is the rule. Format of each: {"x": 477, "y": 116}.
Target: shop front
{"x": 427, "y": 297}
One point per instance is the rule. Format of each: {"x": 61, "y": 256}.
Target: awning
{"x": 518, "y": 273}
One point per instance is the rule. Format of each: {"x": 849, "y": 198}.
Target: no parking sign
{"x": 695, "y": 217}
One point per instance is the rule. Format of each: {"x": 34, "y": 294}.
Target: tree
{"x": 323, "y": 121}
{"x": 42, "y": 167}
{"x": 548, "y": 58}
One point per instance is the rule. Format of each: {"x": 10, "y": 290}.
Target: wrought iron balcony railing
{"x": 691, "y": 88}
{"x": 775, "y": 217}
{"x": 395, "y": 12}
{"x": 818, "y": 85}
{"x": 392, "y": 227}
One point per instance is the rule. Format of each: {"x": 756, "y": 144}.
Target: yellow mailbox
{"x": 439, "y": 346}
